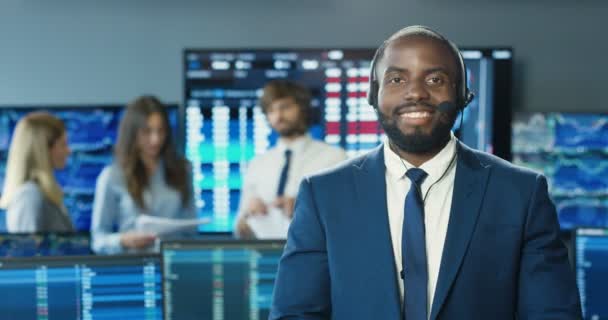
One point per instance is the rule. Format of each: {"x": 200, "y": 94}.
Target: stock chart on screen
{"x": 225, "y": 127}
{"x": 92, "y": 131}
{"x": 571, "y": 150}
{"x": 91, "y": 287}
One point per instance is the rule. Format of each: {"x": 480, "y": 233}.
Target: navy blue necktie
{"x": 284, "y": 173}
{"x": 413, "y": 250}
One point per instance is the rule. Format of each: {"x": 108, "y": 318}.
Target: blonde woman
{"x": 31, "y": 196}
{"x": 147, "y": 178}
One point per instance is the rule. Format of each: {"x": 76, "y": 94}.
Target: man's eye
{"x": 435, "y": 80}
{"x": 395, "y": 80}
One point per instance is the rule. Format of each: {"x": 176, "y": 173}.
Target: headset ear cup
{"x": 372, "y": 94}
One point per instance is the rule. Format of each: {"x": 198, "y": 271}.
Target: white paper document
{"x": 167, "y": 226}
{"x": 272, "y": 225}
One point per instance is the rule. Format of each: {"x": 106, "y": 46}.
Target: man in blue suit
{"x": 424, "y": 227}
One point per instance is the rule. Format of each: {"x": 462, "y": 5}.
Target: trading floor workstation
{"x": 218, "y": 253}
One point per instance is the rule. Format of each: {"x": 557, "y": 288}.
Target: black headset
{"x": 465, "y": 96}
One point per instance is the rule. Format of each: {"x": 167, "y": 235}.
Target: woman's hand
{"x": 137, "y": 239}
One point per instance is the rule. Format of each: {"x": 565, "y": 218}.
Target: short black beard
{"x": 418, "y": 142}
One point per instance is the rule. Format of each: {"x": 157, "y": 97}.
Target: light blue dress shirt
{"x": 115, "y": 212}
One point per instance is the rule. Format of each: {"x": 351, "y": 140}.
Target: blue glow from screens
{"x": 92, "y": 132}
{"x": 82, "y": 288}
{"x": 591, "y": 247}
{"x": 48, "y": 244}
{"x": 225, "y": 128}
{"x": 232, "y": 281}
{"x": 571, "y": 150}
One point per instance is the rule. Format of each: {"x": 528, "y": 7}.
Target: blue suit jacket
{"x": 502, "y": 257}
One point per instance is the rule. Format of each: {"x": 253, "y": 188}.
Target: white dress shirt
{"x": 261, "y": 180}
{"x": 437, "y": 206}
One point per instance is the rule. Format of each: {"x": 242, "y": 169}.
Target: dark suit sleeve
{"x": 302, "y": 285}
{"x": 547, "y": 286}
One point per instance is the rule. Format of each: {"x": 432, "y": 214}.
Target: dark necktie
{"x": 284, "y": 173}
{"x": 413, "y": 250}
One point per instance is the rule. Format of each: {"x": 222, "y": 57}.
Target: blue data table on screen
{"x": 591, "y": 261}
{"x": 92, "y": 287}
{"x": 232, "y": 280}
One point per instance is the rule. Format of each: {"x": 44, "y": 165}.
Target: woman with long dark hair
{"x": 148, "y": 177}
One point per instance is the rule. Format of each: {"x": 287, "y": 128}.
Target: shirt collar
{"x": 434, "y": 167}
{"x": 296, "y": 146}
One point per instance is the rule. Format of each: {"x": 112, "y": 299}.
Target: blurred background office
{"x": 537, "y": 68}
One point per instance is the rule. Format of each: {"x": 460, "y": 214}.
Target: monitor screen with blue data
{"x": 591, "y": 260}
{"x": 92, "y": 131}
{"x": 230, "y": 280}
{"x": 90, "y": 287}
{"x": 44, "y": 244}
{"x": 225, "y": 127}
{"x": 571, "y": 150}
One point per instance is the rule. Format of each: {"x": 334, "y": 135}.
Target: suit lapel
{"x": 372, "y": 214}
{"x": 469, "y": 188}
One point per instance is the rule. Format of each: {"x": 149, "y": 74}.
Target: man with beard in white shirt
{"x": 272, "y": 179}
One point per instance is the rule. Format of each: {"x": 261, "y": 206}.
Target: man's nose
{"x": 416, "y": 91}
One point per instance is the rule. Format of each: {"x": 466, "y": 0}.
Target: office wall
{"x": 85, "y": 51}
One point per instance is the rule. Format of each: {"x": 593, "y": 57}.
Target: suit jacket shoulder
{"x": 511, "y": 178}
{"x": 339, "y": 172}
{"x": 487, "y": 159}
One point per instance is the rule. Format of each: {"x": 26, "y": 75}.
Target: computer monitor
{"x": 591, "y": 260}
{"x": 88, "y": 287}
{"x": 92, "y": 131}
{"x": 44, "y": 244}
{"x": 225, "y": 127}
{"x": 571, "y": 150}
{"x": 231, "y": 280}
